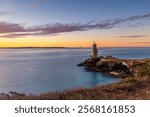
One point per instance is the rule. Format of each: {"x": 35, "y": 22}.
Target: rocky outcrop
{"x": 114, "y": 66}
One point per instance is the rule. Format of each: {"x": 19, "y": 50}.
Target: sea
{"x": 42, "y": 70}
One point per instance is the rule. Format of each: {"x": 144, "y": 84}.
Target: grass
{"x": 144, "y": 72}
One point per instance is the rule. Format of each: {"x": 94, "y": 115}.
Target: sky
{"x": 74, "y": 23}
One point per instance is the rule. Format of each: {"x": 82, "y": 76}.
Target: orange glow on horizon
{"x": 63, "y": 42}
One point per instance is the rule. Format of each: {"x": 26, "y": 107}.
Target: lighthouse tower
{"x": 95, "y": 50}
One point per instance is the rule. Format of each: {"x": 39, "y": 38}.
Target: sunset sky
{"x": 74, "y": 23}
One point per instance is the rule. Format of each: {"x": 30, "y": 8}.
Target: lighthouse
{"x": 95, "y": 50}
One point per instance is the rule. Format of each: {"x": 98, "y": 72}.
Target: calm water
{"x": 42, "y": 70}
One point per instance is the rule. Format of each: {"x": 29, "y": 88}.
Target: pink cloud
{"x": 18, "y": 30}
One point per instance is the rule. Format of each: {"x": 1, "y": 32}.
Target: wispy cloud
{"x": 133, "y": 36}
{"x": 145, "y": 42}
{"x": 17, "y": 30}
{"x": 11, "y": 28}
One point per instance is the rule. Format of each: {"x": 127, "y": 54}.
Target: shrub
{"x": 142, "y": 72}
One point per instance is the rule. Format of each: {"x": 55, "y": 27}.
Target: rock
{"x": 124, "y": 64}
{"x": 108, "y": 64}
{"x": 119, "y": 66}
{"x": 90, "y": 62}
{"x": 114, "y": 73}
{"x": 111, "y": 65}
{"x": 105, "y": 65}
{"x": 80, "y": 64}
{"x": 110, "y": 57}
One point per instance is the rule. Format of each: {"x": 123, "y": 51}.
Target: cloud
{"x": 133, "y": 36}
{"x": 141, "y": 42}
{"x": 11, "y": 27}
{"x": 18, "y": 30}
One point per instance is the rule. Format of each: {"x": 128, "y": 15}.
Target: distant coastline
{"x": 63, "y": 47}
{"x": 45, "y": 47}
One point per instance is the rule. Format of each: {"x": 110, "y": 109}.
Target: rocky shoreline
{"x": 122, "y": 68}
